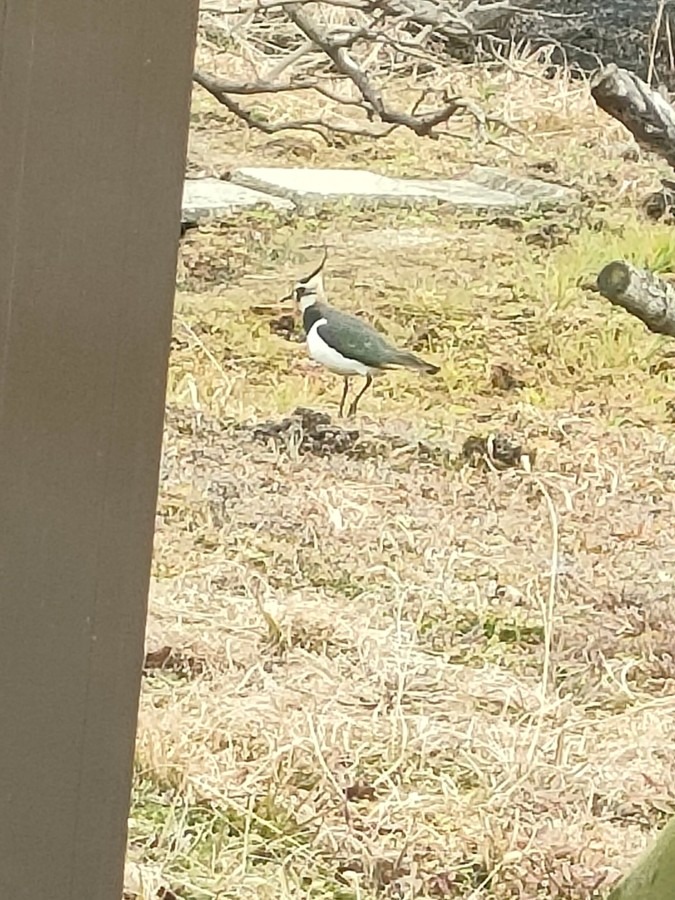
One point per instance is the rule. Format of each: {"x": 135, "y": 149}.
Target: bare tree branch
{"x": 421, "y": 124}
{"x": 317, "y": 126}
{"x": 371, "y": 41}
{"x": 219, "y": 86}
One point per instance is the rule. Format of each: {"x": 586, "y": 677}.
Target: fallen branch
{"x": 219, "y": 86}
{"x": 641, "y": 109}
{"x": 374, "y": 103}
{"x": 317, "y": 126}
{"x": 640, "y": 293}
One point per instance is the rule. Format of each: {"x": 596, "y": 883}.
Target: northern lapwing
{"x": 345, "y": 344}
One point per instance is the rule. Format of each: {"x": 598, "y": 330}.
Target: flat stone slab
{"x": 531, "y": 190}
{"x": 360, "y": 188}
{"x": 211, "y": 198}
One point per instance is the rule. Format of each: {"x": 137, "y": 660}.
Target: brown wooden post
{"x": 94, "y": 109}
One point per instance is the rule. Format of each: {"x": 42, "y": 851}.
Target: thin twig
{"x": 655, "y": 40}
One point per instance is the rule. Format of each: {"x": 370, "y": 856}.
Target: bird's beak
{"x": 286, "y": 298}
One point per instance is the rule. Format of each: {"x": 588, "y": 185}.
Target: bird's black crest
{"x": 317, "y": 270}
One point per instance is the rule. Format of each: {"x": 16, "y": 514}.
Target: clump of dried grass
{"x": 362, "y": 747}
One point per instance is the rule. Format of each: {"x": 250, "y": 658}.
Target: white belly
{"x": 320, "y": 351}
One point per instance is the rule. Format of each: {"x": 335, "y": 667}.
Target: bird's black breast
{"x": 310, "y": 316}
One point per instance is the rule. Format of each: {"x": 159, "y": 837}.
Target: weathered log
{"x": 653, "y": 878}
{"x": 640, "y": 293}
{"x": 642, "y": 110}
{"x": 661, "y": 204}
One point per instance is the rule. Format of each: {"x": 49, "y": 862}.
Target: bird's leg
{"x": 355, "y": 401}
{"x": 345, "y": 390}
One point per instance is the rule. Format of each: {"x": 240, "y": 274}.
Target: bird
{"x": 345, "y": 344}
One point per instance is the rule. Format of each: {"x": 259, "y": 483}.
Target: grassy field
{"x": 379, "y": 668}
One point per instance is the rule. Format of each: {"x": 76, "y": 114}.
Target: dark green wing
{"x": 356, "y": 339}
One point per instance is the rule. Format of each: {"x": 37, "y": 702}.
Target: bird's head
{"x": 309, "y": 290}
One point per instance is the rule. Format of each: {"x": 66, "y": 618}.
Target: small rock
{"x": 496, "y": 451}
{"x": 286, "y": 327}
{"x": 213, "y": 198}
{"x": 307, "y": 431}
{"x": 502, "y": 379}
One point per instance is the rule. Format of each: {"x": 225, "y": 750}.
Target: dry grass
{"x": 394, "y": 674}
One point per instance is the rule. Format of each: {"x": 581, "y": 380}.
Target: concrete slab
{"x": 465, "y": 194}
{"x": 530, "y": 190}
{"x": 360, "y": 188}
{"x": 211, "y": 198}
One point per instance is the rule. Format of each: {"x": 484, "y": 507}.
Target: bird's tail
{"x": 410, "y": 361}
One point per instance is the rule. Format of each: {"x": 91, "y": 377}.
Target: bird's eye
{"x": 300, "y": 292}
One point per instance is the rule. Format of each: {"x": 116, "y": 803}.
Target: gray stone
{"x": 530, "y": 190}
{"x": 208, "y": 198}
{"x": 466, "y": 194}
{"x": 309, "y": 188}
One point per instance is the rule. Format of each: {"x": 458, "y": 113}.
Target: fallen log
{"x": 644, "y": 111}
{"x": 640, "y": 293}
